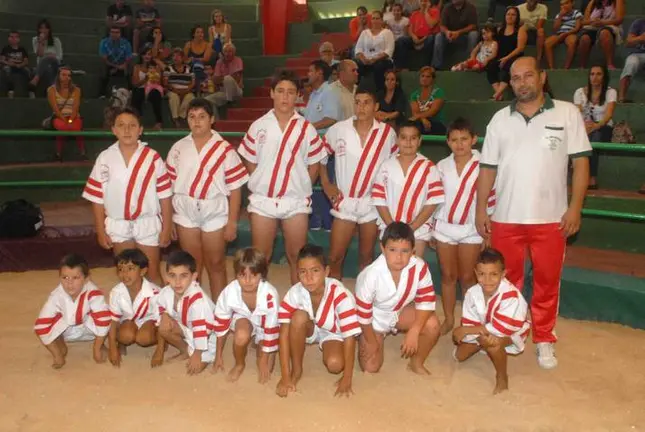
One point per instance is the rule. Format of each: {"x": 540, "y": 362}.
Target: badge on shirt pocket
{"x": 553, "y": 136}
{"x": 341, "y": 147}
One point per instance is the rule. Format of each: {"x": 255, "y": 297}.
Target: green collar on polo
{"x": 547, "y": 105}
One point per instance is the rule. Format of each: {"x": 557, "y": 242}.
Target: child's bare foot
{"x": 63, "y": 349}
{"x": 295, "y": 376}
{"x": 501, "y": 385}
{"x": 418, "y": 369}
{"x": 182, "y": 355}
{"x": 123, "y": 349}
{"x": 157, "y": 358}
{"x": 235, "y": 373}
{"x": 447, "y": 325}
{"x": 59, "y": 362}
{"x": 100, "y": 354}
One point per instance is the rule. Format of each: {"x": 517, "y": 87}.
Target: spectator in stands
{"x": 334, "y": 73}
{"x": 533, "y": 16}
{"x": 179, "y": 82}
{"x": 49, "y": 54}
{"x": 492, "y": 7}
{"x": 374, "y": 51}
{"x": 327, "y": 52}
{"x": 65, "y": 100}
{"x": 387, "y": 12}
{"x": 392, "y": 102}
{"x": 160, "y": 48}
{"x": 568, "y": 23}
{"x": 147, "y": 85}
{"x": 14, "y": 72}
{"x": 219, "y": 33}
{"x": 484, "y": 53}
{"x": 198, "y": 51}
{"x": 361, "y": 22}
{"x": 636, "y": 59}
{"x": 116, "y": 53}
{"x": 603, "y": 22}
{"x": 345, "y": 87}
{"x": 426, "y": 104}
{"x": 597, "y": 102}
{"x": 458, "y": 21}
{"x": 424, "y": 26}
{"x": 396, "y": 22}
{"x": 511, "y": 41}
{"x": 228, "y": 78}
{"x": 410, "y": 6}
{"x": 120, "y": 14}
{"x": 147, "y": 18}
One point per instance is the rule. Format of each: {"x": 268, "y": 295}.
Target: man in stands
{"x": 227, "y": 77}
{"x": 119, "y": 14}
{"x": 458, "y": 22}
{"x": 345, "y": 87}
{"x": 635, "y": 61}
{"x": 14, "y": 72}
{"x": 147, "y": 18}
{"x": 533, "y": 15}
{"x": 327, "y": 52}
{"x": 116, "y": 53}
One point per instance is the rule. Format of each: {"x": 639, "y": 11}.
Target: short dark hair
{"x": 194, "y": 30}
{"x": 200, "y": 103}
{"x": 490, "y": 27}
{"x": 313, "y": 251}
{"x": 323, "y": 67}
{"x": 361, "y": 8}
{"x": 181, "y": 258}
{"x": 127, "y": 110}
{"x": 115, "y": 27}
{"x": 491, "y": 256}
{"x": 409, "y": 124}
{"x": 134, "y": 256}
{"x": 73, "y": 261}
{"x": 398, "y": 231}
{"x": 285, "y": 75}
{"x": 12, "y": 31}
{"x": 397, "y": 4}
{"x": 252, "y": 259}
{"x": 367, "y": 91}
{"x": 460, "y": 124}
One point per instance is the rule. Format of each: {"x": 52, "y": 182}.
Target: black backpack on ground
{"x": 19, "y": 219}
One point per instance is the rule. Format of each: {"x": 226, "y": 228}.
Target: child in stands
{"x": 482, "y": 54}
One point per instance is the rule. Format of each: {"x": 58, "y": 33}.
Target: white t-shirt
{"x": 531, "y": 18}
{"x": 591, "y": 111}
{"x": 397, "y": 27}
{"x": 371, "y": 45}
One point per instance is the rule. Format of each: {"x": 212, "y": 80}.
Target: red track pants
{"x": 546, "y": 245}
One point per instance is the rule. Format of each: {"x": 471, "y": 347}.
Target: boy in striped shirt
{"x": 566, "y": 26}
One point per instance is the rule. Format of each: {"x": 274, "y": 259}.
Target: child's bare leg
{"x": 334, "y": 356}
{"x": 498, "y": 356}
{"x": 153, "y": 253}
{"x": 263, "y": 232}
{"x": 126, "y": 333}
{"x": 448, "y": 260}
{"x": 571, "y": 41}
{"x": 58, "y": 350}
{"x": 540, "y": 44}
{"x": 99, "y": 351}
{"x": 147, "y": 334}
{"x": 214, "y": 253}
{"x": 549, "y": 45}
{"x": 420, "y": 247}
{"x": 468, "y": 254}
{"x": 342, "y": 232}
{"x": 466, "y": 351}
{"x": 428, "y": 337}
{"x": 190, "y": 240}
{"x": 300, "y": 328}
{"x": 295, "y": 237}
{"x": 241, "y": 340}
{"x": 158, "y": 355}
{"x": 370, "y": 356}
{"x": 170, "y": 331}
{"x": 367, "y": 235}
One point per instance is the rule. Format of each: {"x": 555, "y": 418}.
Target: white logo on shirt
{"x": 262, "y": 137}
{"x": 341, "y": 147}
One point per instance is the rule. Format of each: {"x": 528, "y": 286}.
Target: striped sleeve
{"x": 345, "y": 307}
{"x": 171, "y": 169}
{"x": 379, "y": 192}
{"x": 435, "y": 187}
{"x": 469, "y": 316}
{"x": 509, "y": 317}
{"x": 163, "y": 303}
{"x": 248, "y": 147}
{"x": 93, "y": 190}
{"x": 270, "y": 325}
{"x": 289, "y": 306}
{"x": 116, "y": 313}
{"x": 50, "y": 323}
{"x": 365, "y": 293}
{"x": 235, "y": 173}
{"x": 425, "y": 297}
{"x": 164, "y": 183}
{"x": 316, "y": 149}
{"x": 329, "y": 140}
{"x": 223, "y": 314}
{"x": 201, "y": 323}
{"x": 99, "y": 312}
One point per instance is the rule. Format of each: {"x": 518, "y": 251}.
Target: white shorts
{"x": 358, "y": 210}
{"x": 207, "y": 215}
{"x": 78, "y": 333}
{"x": 454, "y": 234}
{"x": 278, "y": 208}
{"x": 384, "y": 321}
{"x": 519, "y": 340}
{"x": 208, "y": 356}
{"x": 143, "y": 230}
{"x": 321, "y": 336}
{"x": 424, "y": 233}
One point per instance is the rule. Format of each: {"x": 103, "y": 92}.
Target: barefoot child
{"x": 494, "y": 318}
{"x": 130, "y": 193}
{"x": 74, "y": 312}
{"x": 482, "y": 54}
{"x": 207, "y": 176}
{"x": 320, "y": 310}
{"x": 185, "y": 316}
{"x": 248, "y": 306}
{"x": 408, "y": 188}
{"x": 132, "y": 305}
{"x": 393, "y": 294}
{"x": 457, "y": 242}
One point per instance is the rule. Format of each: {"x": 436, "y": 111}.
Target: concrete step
{"x": 256, "y": 102}
{"x": 245, "y": 114}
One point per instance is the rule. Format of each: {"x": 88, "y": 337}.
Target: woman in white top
{"x": 597, "y": 102}
{"x": 374, "y": 51}
{"x": 219, "y": 33}
{"x": 49, "y": 54}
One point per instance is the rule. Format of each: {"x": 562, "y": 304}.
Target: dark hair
{"x": 252, "y": 259}
{"x": 181, "y": 258}
{"x": 490, "y": 27}
{"x": 385, "y": 5}
{"x": 200, "y": 103}
{"x": 73, "y": 261}
{"x": 194, "y": 30}
{"x": 313, "y": 251}
{"x": 460, "y": 124}
{"x": 397, "y": 231}
{"x": 45, "y": 22}
{"x": 151, "y": 38}
{"x": 127, "y": 110}
{"x": 491, "y": 256}
{"x": 323, "y": 67}
{"x": 115, "y": 27}
{"x": 367, "y": 91}
{"x": 517, "y": 21}
{"x": 605, "y": 83}
{"x": 285, "y": 75}
{"x": 409, "y": 124}
{"x": 14, "y": 32}
{"x": 396, "y": 4}
{"x": 597, "y": 4}
{"x": 134, "y": 256}
{"x": 361, "y": 8}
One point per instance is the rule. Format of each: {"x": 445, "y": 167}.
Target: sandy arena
{"x": 599, "y": 385}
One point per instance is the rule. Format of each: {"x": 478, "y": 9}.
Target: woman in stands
{"x": 426, "y": 104}
{"x": 511, "y": 41}
{"x": 160, "y": 48}
{"x": 597, "y": 102}
{"x": 219, "y": 33}
{"x": 199, "y": 52}
{"x": 392, "y": 102}
{"x": 49, "y": 54}
{"x": 147, "y": 85}
{"x": 374, "y": 51}
{"x": 602, "y": 22}
{"x": 65, "y": 99}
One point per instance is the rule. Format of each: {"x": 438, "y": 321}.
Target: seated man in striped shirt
{"x": 179, "y": 81}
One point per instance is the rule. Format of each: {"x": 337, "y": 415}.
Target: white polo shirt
{"x": 531, "y": 157}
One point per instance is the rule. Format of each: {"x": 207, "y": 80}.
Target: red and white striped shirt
{"x": 140, "y": 309}
{"x": 336, "y": 312}
{"x": 282, "y": 158}
{"x": 405, "y": 194}
{"x": 460, "y": 191}
{"x": 357, "y": 165}
{"x": 213, "y": 171}
{"x": 61, "y": 311}
{"x": 264, "y": 317}
{"x": 132, "y": 191}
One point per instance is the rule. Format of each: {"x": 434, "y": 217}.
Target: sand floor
{"x": 599, "y": 385}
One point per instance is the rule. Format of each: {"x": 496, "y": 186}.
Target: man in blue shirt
{"x": 116, "y": 53}
{"x": 636, "y": 60}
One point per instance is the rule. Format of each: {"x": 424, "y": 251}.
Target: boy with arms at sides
{"x": 494, "y": 318}
{"x": 74, "y": 312}
{"x": 132, "y": 306}
{"x": 320, "y": 310}
{"x": 566, "y": 26}
{"x": 393, "y": 294}
{"x": 248, "y": 307}
{"x": 282, "y": 152}
{"x": 408, "y": 188}
{"x": 455, "y": 233}
{"x": 185, "y": 316}
{"x": 207, "y": 176}
{"x": 130, "y": 192}
{"x": 360, "y": 144}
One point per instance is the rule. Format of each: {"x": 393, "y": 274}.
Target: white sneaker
{"x": 546, "y": 355}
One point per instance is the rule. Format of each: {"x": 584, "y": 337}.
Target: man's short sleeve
{"x": 576, "y": 134}
{"x": 330, "y": 104}
{"x": 543, "y": 11}
{"x": 490, "y": 150}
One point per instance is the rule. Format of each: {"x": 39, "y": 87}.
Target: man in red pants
{"x": 526, "y": 151}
